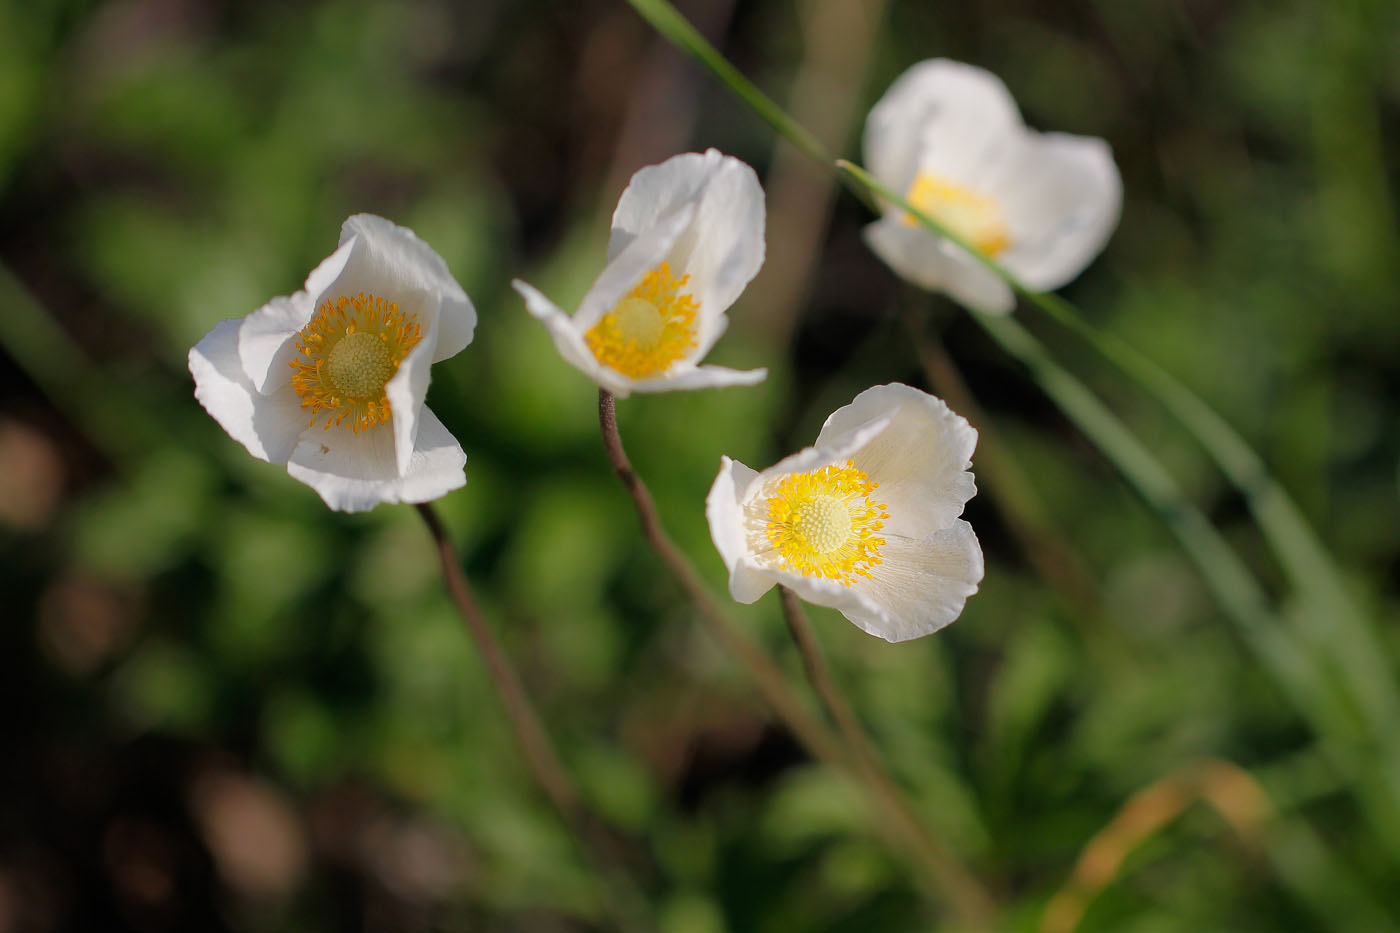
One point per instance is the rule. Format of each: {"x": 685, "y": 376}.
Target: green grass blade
{"x": 1302, "y": 555}
{"x": 1333, "y": 623}
{"x": 666, "y": 20}
{"x": 1290, "y": 661}
{"x": 1331, "y": 620}
{"x": 1328, "y": 698}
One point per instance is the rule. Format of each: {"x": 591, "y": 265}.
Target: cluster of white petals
{"x": 865, "y": 521}
{"x": 948, "y": 136}
{"x": 687, "y": 237}
{"x": 331, "y": 380}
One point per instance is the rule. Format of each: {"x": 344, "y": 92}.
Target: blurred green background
{"x": 229, "y": 708}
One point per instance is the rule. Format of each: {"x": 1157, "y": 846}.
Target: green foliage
{"x": 166, "y": 166}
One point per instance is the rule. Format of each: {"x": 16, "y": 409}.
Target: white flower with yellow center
{"x": 331, "y": 380}
{"x": 866, "y": 521}
{"x": 687, "y": 237}
{"x": 948, "y": 137}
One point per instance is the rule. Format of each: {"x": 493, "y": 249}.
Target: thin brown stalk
{"x": 619, "y": 898}
{"x": 972, "y": 906}
{"x": 769, "y": 680}
{"x": 955, "y": 879}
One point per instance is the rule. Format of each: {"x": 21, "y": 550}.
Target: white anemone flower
{"x": 866, "y": 521}
{"x": 949, "y": 137}
{"x": 331, "y": 380}
{"x": 687, "y": 237}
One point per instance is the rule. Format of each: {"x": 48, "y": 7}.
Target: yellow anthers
{"x": 972, "y": 216}
{"x": 647, "y": 331}
{"x": 824, "y": 523}
{"x": 348, "y": 352}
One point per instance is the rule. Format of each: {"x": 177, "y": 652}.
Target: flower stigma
{"x": 973, "y": 216}
{"x": 824, "y": 523}
{"x": 649, "y": 329}
{"x": 348, "y": 352}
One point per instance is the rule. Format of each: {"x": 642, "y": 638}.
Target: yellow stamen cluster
{"x": 647, "y": 331}
{"x": 972, "y": 216}
{"x": 348, "y": 352}
{"x": 824, "y": 523}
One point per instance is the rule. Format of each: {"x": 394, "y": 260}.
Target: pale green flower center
{"x": 346, "y": 355}
{"x": 822, "y": 522}
{"x": 638, "y": 320}
{"x": 360, "y": 365}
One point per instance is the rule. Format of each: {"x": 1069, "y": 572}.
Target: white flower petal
{"x": 1062, "y": 199}
{"x": 389, "y": 259}
{"x": 657, "y": 191}
{"x": 354, "y": 472}
{"x": 328, "y": 269}
{"x": 699, "y": 377}
{"x": 725, "y": 513}
{"x": 618, "y": 278}
{"x": 1059, "y": 196}
{"x": 702, "y": 215}
{"x": 406, "y": 392}
{"x": 626, "y": 269}
{"x": 727, "y": 248}
{"x": 723, "y": 247}
{"x": 930, "y": 562}
{"x": 838, "y": 449}
{"x": 266, "y": 341}
{"x": 920, "y": 459}
{"x": 850, "y": 601}
{"x": 922, "y": 584}
{"x": 931, "y": 262}
{"x": 267, "y": 425}
{"x": 973, "y": 285}
{"x": 941, "y": 116}
{"x": 568, "y": 340}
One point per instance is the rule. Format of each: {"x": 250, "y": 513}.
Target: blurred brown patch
{"x": 31, "y": 476}
{"x": 83, "y": 622}
{"x": 410, "y": 855}
{"x": 253, "y": 833}
{"x": 415, "y": 858}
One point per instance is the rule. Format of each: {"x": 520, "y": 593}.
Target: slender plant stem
{"x": 873, "y": 767}
{"x": 619, "y": 897}
{"x": 769, "y": 680}
{"x": 974, "y": 907}
{"x": 814, "y": 664}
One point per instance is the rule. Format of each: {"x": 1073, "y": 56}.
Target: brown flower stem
{"x": 770, "y": 682}
{"x": 619, "y": 897}
{"x": 974, "y": 902}
{"x": 969, "y": 901}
